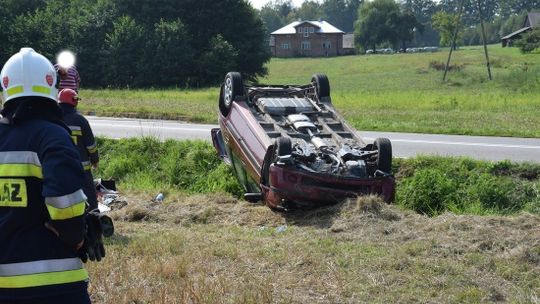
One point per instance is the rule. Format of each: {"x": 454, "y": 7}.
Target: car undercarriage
{"x": 295, "y": 148}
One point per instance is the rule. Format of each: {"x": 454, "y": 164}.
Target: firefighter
{"x": 45, "y": 234}
{"x": 82, "y": 136}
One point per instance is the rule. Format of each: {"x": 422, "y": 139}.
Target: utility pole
{"x": 453, "y": 45}
{"x": 460, "y": 11}
{"x": 484, "y": 38}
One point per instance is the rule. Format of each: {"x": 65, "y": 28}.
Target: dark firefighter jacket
{"x": 40, "y": 181}
{"x": 82, "y": 135}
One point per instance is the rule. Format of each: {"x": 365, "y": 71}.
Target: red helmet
{"x": 68, "y": 96}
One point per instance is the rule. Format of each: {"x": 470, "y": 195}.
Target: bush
{"x": 428, "y": 191}
{"x": 529, "y": 42}
{"x": 433, "y": 185}
{"x": 440, "y": 66}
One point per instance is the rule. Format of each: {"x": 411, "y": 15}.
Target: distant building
{"x": 307, "y": 39}
{"x": 532, "y": 21}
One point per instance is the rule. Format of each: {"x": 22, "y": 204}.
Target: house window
{"x": 306, "y": 45}
{"x": 327, "y": 45}
{"x": 285, "y": 46}
{"x": 299, "y": 30}
{"x": 312, "y": 30}
{"x": 306, "y": 31}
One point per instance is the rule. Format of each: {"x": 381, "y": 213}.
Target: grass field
{"x": 215, "y": 249}
{"x": 204, "y": 245}
{"x": 400, "y": 92}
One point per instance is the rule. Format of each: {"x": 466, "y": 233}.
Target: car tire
{"x": 384, "y": 157}
{"x": 322, "y": 85}
{"x": 233, "y": 86}
{"x": 283, "y": 146}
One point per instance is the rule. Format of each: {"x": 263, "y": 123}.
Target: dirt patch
{"x": 359, "y": 251}
{"x": 366, "y": 218}
{"x": 219, "y": 208}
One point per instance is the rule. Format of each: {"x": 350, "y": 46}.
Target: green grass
{"x": 399, "y": 92}
{"x": 148, "y": 164}
{"x": 434, "y": 185}
{"x": 402, "y": 93}
{"x": 427, "y": 185}
{"x": 215, "y": 248}
{"x": 188, "y": 105}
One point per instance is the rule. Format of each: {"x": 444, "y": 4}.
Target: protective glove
{"x": 92, "y": 248}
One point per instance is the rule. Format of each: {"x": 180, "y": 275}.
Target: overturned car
{"x": 288, "y": 146}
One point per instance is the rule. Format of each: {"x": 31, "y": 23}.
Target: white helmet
{"x": 28, "y": 73}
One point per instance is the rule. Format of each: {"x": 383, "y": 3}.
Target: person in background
{"x": 69, "y": 77}
{"x": 83, "y": 137}
{"x": 42, "y": 205}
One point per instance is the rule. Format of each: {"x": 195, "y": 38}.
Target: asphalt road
{"x": 403, "y": 144}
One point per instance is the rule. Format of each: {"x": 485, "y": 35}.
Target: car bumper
{"x": 305, "y": 188}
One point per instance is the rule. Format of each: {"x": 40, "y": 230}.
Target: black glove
{"x": 92, "y": 248}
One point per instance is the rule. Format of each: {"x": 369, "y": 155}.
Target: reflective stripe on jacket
{"x": 40, "y": 273}
{"x": 41, "y": 177}
{"x": 82, "y": 135}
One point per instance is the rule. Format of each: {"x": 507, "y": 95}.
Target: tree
{"x": 309, "y": 10}
{"x": 382, "y": 21}
{"x": 217, "y": 60}
{"x": 141, "y": 43}
{"x": 490, "y": 9}
{"x": 271, "y": 18}
{"x": 171, "y": 43}
{"x": 341, "y": 13}
{"x": 94, "y": 20}
{"x": 447, "y": 24}
{"x": 406, "y": 26}
{"x": 373, "y": 26}
{"x": 423, "y": 10}
{"x": 123, "y": 53}
{"x": 513, "y": 7}
{"x": 276, "y": 14}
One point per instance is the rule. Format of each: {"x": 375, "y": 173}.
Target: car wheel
{"x": 233, "y": 86}
{"x": 384, "y": 157}
{"x": 322, "y": 86}
{"x": 283, "y": 146}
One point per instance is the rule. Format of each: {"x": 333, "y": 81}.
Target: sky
{"x": 260, "y": 3}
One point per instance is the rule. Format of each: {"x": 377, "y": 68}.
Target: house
{"x": 532, "y": 21}
{"x": 307, "y": 38}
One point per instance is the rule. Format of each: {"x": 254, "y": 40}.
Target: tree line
{"x": 141, "y": 43}
{"x": 193, "y": 43}
{"x": 398, "y": 23}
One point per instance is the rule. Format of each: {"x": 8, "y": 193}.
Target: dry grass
{"x": 216, "y": 249}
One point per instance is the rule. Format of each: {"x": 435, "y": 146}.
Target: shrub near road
{"x": 434, "y": 185}
{"x": 214, "y": 248}
{"x": 427, "y": 185}
{"x": 398, "y": 92}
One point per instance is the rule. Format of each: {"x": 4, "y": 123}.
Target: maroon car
{"x": 288, "y": 146}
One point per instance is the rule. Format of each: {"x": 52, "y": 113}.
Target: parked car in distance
{"x": 289, "y": 147}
